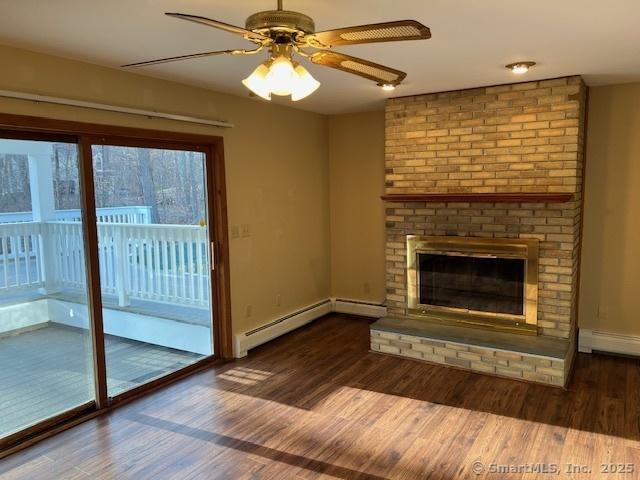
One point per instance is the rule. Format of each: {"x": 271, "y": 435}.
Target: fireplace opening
{"x": 484, "y": 284}
{"x": 479, "y": 282}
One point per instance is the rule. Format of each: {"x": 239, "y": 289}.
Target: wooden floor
{"x": 316, "y": 403}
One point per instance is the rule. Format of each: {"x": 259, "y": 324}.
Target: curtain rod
{"x": 112, "y": 108}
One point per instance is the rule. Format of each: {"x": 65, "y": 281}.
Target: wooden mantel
{"x": 542, "y": 197}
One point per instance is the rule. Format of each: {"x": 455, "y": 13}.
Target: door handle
{"x": 213, "y": 255}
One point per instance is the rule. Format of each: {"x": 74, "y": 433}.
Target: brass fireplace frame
{"x": 526, "y": 249}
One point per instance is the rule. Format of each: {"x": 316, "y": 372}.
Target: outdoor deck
{"x": 49, "y": 370}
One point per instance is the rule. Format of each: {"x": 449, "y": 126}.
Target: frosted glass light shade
{"x": 281, "y": 76}
{"x": 257, "y": 82}
{"x": 304, "y": 84}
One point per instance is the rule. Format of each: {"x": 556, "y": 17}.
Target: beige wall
{"x": 356, "y": 153}
{"x": 317, "y": 225}
{"x": 610, "y": 278}
{"x": 277, "y": 170}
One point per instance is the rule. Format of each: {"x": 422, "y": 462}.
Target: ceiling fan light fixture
{"x": 304, "y": 84}
{"x": 520, "y": 68}
{"x": 285, "y": 33}
{"x": 257, "y": 82}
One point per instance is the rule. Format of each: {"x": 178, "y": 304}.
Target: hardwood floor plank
{"x": 632, "y": 401}
{"x": 317, "y": 404}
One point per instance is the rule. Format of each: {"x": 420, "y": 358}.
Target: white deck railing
{"x": 165, "y": 263}
{"x": 19, "y": 254}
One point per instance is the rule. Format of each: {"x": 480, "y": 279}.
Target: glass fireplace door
{"x": 472, "y": 281}
{"x": 483, "y": 284}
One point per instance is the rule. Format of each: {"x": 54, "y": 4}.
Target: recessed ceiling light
{"x": 388, "y": 87}
{"x": 520, "y": 67}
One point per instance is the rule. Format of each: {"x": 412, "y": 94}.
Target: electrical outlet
{"x": 235, "y": 231}
{"x": 367, "y": 287}
{"x": 278, "y": 300}
{"x": 246, "y": 230}
{"x": 248, "y": 311}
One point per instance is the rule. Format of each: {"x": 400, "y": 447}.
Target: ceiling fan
{"x": 286, "y": 33}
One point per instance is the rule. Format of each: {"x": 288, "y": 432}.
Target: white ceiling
{"x": 472, "y": 41}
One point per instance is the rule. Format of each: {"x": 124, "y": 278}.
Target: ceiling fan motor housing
{"x": 280, "y": 21}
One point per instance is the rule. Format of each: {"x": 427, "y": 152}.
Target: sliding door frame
{"x": 86, "y": 135}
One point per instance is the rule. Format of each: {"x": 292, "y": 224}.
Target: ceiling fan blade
{"x": 175, "y": 59}
{"x": 375, "y": 32}
{"x": 357, "y": 66}
{"x": 248, "y": 34}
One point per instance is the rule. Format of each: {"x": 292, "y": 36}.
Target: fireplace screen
{"x": 479, "y": 281}
{"x": 485, "y": 284}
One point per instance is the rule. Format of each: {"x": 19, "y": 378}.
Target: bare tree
{"x": 146, "y": 183}
{"x": 169, "y": 182}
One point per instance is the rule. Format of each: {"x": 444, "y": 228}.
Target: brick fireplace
{"x": 500, "y": 162}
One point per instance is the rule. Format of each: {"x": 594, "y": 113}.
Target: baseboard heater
{"x": 608, "y": 342}
{"x": 248, "y": 340}
{"x": 358, "y": 307}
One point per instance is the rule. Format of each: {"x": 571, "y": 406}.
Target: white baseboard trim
{"x": 589, "y": 340}
{"x": 248, "y": 340}
{"x": 356, "y": 307}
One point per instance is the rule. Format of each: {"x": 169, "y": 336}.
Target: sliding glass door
{"x": 45, "y": 334}
{"x": 155, "y": 270}
{"x": 107, "y": 258}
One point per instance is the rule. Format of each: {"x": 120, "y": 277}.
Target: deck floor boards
{"x": 49, "y": 370}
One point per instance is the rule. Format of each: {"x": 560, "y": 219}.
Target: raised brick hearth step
{"x": 540, "y": 359}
